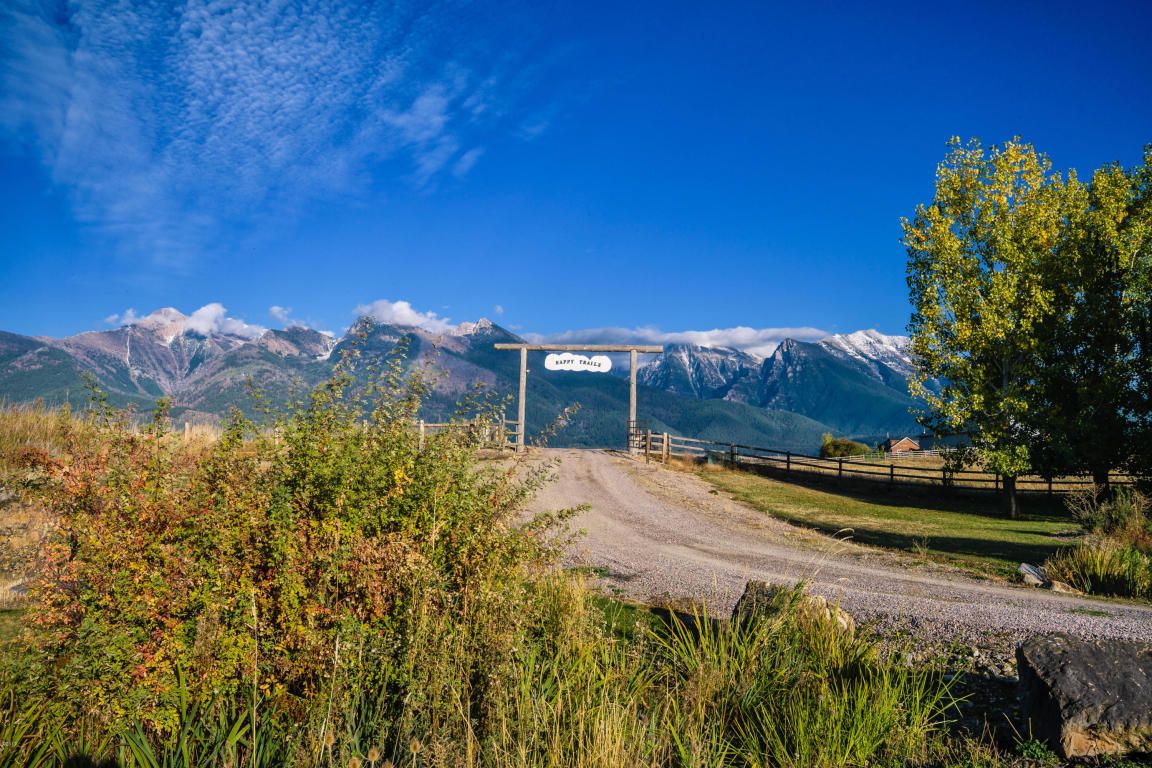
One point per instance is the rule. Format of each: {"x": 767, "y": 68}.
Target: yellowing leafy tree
{"x": 978, "y": 256}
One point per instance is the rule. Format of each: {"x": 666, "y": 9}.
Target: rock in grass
{"x": 761, "y": 598}
{"x": 1087, "y": 697}
{"x": 1031, "y": 575}
{"x": 1062, "y": 588}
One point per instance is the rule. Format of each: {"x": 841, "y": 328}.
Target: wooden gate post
{"x": 631, "y": 393}
{"x": 647, "y": 446}
{"x": 520, "y": 409}
{"x": 665, "y": 450}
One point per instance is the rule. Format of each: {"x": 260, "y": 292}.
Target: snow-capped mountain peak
{"x": 871, "y": 347}
{"x": 705, "y": 372}
{"x": 483, "y": 325}
{"x": 166, "y": 323}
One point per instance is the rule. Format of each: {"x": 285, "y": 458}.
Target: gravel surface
{"x": 663, "y": 536}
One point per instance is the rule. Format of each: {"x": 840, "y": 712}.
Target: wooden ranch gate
{"x": 632, "y": 349}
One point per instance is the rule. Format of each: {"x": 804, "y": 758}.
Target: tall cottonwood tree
{"x": 1088, "y": 411}
{"x": 1140, "y": 301}
{"x": 978, "y": 257}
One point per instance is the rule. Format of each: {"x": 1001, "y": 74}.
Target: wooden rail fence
{"x": 662, "y": 447}
{"x": 489, "y": 434}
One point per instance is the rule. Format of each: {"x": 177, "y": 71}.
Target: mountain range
{"x": 853, "y": 384}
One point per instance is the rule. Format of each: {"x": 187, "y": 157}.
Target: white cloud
{"x": 755, "y": 341}
{"x": 173, "y": 126}
{"x": 213, "y": 318}
{"x": 498, "y": 309}
{"x": 209, "y": 319}
{"x": 283, "y": 315}
{"x": 403, "y": 313}
{"x": 127, "y": 317}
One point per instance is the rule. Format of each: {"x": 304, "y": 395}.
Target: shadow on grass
{"x": 1007, "y": 551}
{"x": 1038, "y": 507}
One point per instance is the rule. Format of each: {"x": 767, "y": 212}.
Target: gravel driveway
{"x": 660, "y": 536}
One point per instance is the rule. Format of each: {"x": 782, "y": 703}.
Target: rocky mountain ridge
{"x": 852, "y": 384}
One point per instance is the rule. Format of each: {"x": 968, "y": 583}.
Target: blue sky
{"x": 561, "y": 168}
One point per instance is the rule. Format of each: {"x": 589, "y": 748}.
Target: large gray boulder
{"x": 1087, "y": 697}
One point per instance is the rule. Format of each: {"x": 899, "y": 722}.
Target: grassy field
{"x": 970, "y": 533}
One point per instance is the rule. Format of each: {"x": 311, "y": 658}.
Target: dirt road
{"x": 659, "y": 535}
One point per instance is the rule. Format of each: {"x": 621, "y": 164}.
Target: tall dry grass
{"x": 1115, "y": 557}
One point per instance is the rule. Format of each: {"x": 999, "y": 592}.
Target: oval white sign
{"x": 571, "y": 362}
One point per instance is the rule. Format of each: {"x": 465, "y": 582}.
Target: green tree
{"x": 1140, "y": 301}
{"x": 1087, "y": 413}
{"x": 978, "y": 257}
{"x": 839, "y": 447}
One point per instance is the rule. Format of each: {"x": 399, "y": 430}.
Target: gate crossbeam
{"x": 632, "y": 349}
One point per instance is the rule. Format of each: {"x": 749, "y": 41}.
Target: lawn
{"x": 969, "y": 532}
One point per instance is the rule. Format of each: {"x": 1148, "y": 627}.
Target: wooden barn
{"x": 901, "y": 445}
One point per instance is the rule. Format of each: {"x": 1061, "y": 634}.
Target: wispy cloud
{"x": 467, "y": 162}
{"x": 171, "y": 124}
{"x": 756, "y": 341}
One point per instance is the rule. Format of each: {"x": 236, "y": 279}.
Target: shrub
{"x": 281, "y": 565}
{"x": 837, "y": 447}
{"x": 1103, "y": 567}
{"x": 1115, "y": 557}
{"x": 1124, "y": 516}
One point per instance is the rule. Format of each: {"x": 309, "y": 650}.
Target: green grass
{"x": 11, "y": 622}
{"x": 970, "y": 533}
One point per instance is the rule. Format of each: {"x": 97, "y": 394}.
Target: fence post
{"x": 1049, "y": 486}
{"x": 996, "y": 482}
{"x": 732, "y": 455}
{"x": 421, "y": 442}
{"x": 665, "y": 450}
{"x": 840, "y": 469}
{"x": 647, "y": 446}
{"x": 891, "y": 474}
{"x": 187, "y": 431}
{"x": 787, "y": 461}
